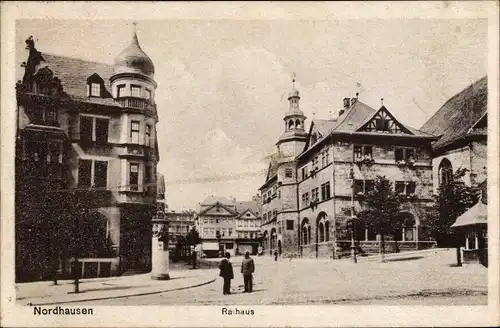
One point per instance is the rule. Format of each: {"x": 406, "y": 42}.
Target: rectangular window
{"x": 367, "y": 152}
{"x": 84, "y": 173}
{"x": 314, "y": 194}
{"x": 135, "y": 91}
{"x": 100, "y": 174}
{"x": 288, "y": 173}
{"x": 86, "y": 123}
{"x": 134, "y": 176}
{"x": 363, "y": 152}
{"x": 289, "y": 224}
{"x": 148, "y": 135}
{"x": 369, "y": 185}
{"x": 120, "y": 91}
{"x": 399, "y": 187}
{"x": 410, "y": 153}
{"x": 323, "y": 160}
{"x": 358, "y": 186}
{"x": 305, "y": 172}
{"x": 101, "y": 130}
{"x": 307, "y": 199}
{"x": 410, "y": 188}
{"x": 134, "y": 132}
{"x": 95, "y": 90}
{"x": 358, "y": 154}
{"x": 398, "y": 154}
{"x": 327, "y": 156}
{"x": 230, "y": 232}
{"x": 205, "y": 220}
{"x": 325, "y": 191}
{"x": 315, "y": 162}
{"x": 148, "y": 94}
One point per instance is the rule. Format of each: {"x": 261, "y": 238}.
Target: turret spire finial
{"x": 382, "y": 101}
{"x": 293, "y": 79}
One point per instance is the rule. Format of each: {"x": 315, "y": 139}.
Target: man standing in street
{"x": 247, "y": 268}
{"x": 226, "y": 272}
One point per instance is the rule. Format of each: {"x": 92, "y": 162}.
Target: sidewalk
{"x": 45, "y": 292}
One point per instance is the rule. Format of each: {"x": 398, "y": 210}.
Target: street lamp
{"x": 353, "y": 243}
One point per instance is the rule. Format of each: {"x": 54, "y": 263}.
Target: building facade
{"x": 92, "y": 128}
{"x": 462, "y": 126}
{"x": 179, "y": 225}
{"x": 226, "y": 225}
{"x": 308, "y": 198}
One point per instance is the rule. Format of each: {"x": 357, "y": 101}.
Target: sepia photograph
{"x": 236, "y": 163}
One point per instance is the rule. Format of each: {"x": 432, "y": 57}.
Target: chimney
{"x": 347, "y": 103}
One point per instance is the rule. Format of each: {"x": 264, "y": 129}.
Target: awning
{"x": 477, "y": 214}
{"x": 206, "y": 246}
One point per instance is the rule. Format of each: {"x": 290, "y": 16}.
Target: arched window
{"x": 290, "y": 124}
{"x": 321, "y": 232}
{"x": 306, "y": 232}
{"x": 327, "y": 231}
{"x": 297, "y": 124}
{"x": 445, "y": 173}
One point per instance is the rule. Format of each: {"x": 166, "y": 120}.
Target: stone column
{"x": 159, "y": 249}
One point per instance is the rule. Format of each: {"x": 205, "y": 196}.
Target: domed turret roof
{"x": 134, "y": 60}
{"x": 293, "y": 93}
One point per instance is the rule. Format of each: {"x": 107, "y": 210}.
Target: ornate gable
{"x": 384, "y": 122}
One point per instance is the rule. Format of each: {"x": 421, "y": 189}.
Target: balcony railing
{"x": 137, "y": 103}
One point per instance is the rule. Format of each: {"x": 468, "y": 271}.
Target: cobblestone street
{"x": 429, "y": 278}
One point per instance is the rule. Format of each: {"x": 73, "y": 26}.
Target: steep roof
{"x": 210, "y": 200}
{"x": 455, "y": 118}
{"x": 242, "y": 207}
{"x": 354, "y": 117}
{"x": 74, "y": 72}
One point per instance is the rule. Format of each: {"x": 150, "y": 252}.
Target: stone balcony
{"x": 136, "y": 197}
{"x": 142, "y": 105}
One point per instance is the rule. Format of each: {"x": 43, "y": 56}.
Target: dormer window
{"x": 95, "y": 90}
{"x": 95, "y": 86}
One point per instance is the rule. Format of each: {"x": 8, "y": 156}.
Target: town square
{"x": 253, "y": 162}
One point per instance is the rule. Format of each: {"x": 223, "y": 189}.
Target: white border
{"x": 306, "y": 316}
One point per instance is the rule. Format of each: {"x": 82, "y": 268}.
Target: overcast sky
{"x": 221, "y": 83}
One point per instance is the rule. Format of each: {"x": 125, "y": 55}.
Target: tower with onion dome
{"x": 293, "y": 139}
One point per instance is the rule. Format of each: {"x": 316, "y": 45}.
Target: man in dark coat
{"x": 226, "y": 272}
{"x": 247, "y": 268}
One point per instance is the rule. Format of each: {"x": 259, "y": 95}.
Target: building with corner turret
{"x": 317, "y": 179}
{"x": 86, "y": 140}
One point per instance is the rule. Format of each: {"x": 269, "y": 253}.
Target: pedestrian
{"x": 275, "y": 255}
{"x": 226, "y": 272}
{"x": 247, "y": 269}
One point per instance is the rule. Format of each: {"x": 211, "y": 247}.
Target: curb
{"x": 123, "y": 296}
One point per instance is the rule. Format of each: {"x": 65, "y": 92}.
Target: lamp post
{"x": 159, "y": 251}
{"x": 353, "y": 243}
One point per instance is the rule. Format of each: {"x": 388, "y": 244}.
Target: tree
{"x": 381, "y": 211}
{"x": 452, "y": 200}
